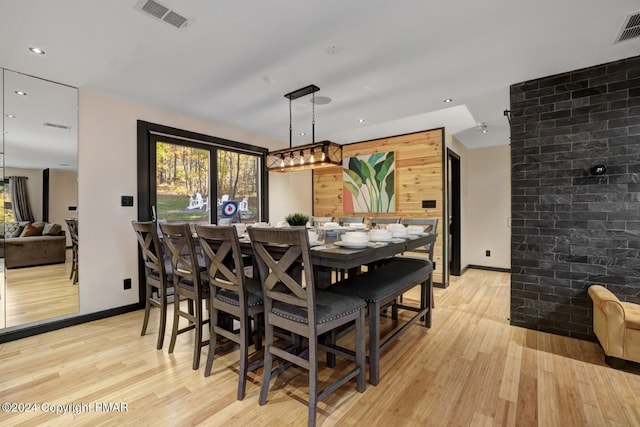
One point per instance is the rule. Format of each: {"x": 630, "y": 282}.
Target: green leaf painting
{"x": 369, "y": 183}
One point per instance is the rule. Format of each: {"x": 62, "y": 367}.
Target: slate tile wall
{"x": 571, "y": 229}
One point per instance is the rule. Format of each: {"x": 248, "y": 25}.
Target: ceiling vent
{"x": 57, "y": 126}
{"x": 163, "y": 13}
{"x": 630, "y": 28}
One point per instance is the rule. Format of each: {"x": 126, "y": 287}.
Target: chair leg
{"x": 176, "y": 319}
{"x": 245, "y": 338}
{"x": 374, "y": 343}
{"x": 197, "y": 344}
{"x": 147, "y": 310}
{"x": 213, "y": 339}
{"x": 268, "y": 362}
{"x": 163, "y": 319}
{"x": 361, "y": 358}
{"x": 313, "y": 382}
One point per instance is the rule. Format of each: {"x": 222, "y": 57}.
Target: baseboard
{"x": 63, "y": 323}
{"x": 482, "y": 267}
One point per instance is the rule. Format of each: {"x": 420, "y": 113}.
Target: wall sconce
{"x": 598, "y": 170}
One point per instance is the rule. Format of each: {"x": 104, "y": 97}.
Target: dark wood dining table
{"x": 330, "y": 257}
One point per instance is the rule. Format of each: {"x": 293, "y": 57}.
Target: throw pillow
{"x": 33, "y": 229}
{"x": 51, "y": 229}
{"x": 14, "y": 229}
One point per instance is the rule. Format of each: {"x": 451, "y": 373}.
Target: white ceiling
{"x": 396, "y": 61}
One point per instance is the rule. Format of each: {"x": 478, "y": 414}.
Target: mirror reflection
{"x": 39, "y": 190}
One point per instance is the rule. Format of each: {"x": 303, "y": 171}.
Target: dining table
{"x": 327, "y": 257}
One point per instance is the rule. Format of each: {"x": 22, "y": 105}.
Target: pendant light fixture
{"x": 309, "y": 156}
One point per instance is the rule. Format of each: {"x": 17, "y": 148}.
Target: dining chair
{"x": 158, "y": 275}
{"x": 350, "y": 220}
{"x": 190, "y": 283}
{"x": 376, "y": 221}
{"x": 319, "y": 220}
{"x": 431, "y": 227}
{"x": 72, "y": 224}
{"x": 304, "y": 310}
{"x": 232, "y": 293}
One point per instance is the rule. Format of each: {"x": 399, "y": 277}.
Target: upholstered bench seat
{"x": 382, "y": 286}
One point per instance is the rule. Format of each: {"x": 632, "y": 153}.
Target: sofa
{"x": 616, "y": 325}
{"x": 28, "y": 244}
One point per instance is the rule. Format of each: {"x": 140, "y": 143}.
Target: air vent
{"x": 55, "y": 125}
{"x": 630, "y": 28}
{"x": 163, "y": 13}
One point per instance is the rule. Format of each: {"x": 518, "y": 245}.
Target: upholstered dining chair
{"x": 190, "y": 283}
{"x": 431, "y": 226}
{"x": 350, "y": 220}
{"x": 377, "y": 221}
{"x": 303, "y": 310}
{"x": 231, "y": 293}
{"x": 72, "y": 224}
{"x": 158, "y": 275}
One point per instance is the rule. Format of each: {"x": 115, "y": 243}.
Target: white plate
{"x": 380, "y": 239}
{"x": 350, "y": 245}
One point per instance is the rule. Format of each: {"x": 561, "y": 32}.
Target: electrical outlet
{"x": 487, "y": 253}
{"x": 127, "y": 284}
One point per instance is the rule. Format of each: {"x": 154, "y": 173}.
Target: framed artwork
{"x": 369, "y": 183}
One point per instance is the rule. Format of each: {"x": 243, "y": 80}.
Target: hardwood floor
{"x": 470, "y": 368}
{"x": 37, "y": 293}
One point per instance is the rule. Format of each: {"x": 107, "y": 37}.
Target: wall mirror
{"x": 39, "y": 174}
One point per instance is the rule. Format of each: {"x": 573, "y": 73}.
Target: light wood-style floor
{"x": 36, "y": 293}
{"x": 470, "y": 368}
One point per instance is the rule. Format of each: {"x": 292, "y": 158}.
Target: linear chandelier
{"x": 309, "y": 156}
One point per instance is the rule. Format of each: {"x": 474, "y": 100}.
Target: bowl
{"x": 394, "y": 226}
{"x": 415, "y": 229}
{"x": 355, "y": 237}
{"x": 380, "y": 235}
{"x": 357, "y": 225}
{"x": 399, "y": 232}
{"x": 330, "y": 225}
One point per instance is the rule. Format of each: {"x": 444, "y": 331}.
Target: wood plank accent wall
{"x": 418, "y": 177}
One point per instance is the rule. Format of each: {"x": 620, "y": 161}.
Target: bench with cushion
{"x": 381, "y": 287}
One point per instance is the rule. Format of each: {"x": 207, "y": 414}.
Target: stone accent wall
{"x": 571, "y": 229}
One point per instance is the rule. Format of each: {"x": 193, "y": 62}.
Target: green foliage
{"x": 297, "y": 219}
{"x": 371, "y": 182}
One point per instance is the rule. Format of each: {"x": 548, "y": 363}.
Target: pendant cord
{"x": 313, "y": 117}
{"x": 290, "y": 125}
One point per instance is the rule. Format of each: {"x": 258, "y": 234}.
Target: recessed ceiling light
{"x": 482, "y": 127}
{"x": 333, "y": 49}
{"x": 36, "y": 50}
{"x": 302, "y": 134}
{"x": 21, "y": 93}
{"x": 448, "y": 100}
{"x": 360, "y": 120}
{"x": 10, "y": 116}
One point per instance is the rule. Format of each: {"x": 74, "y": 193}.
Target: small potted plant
{"x": 297, "y": 219}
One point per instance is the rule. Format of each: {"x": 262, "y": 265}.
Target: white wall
{"x": 289, "y": 193}
{"x": 63, "y": 192}
{"x": 488, "y": 201}
{"x": 107, "y": 169}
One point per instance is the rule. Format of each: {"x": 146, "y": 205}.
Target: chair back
{"x": 72, "y": 224}
{"x": 184, "y": 260}
{"x": 350, "y": 219}
{"x": 151, "y": 250}
{"x": 278, "y": 252}
{"x": 223, "y": 258}
{"x": 375, "y": 221}
{"x": 432, "y": 223}
{"x": 319, "y": 220}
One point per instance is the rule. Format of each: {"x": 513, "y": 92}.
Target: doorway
{"x": 453, "y": 212}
